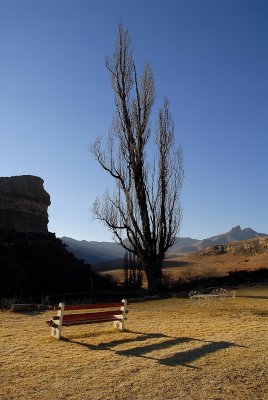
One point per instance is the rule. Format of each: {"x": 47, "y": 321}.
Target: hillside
{"x": 250, "y": 247}
{"x": 38, "y": 264}
{"x": 94, "y": 252}
{"x": 100, "y": 254}
{"x": 218, "y": 260}
{"x": 188, "y": 245}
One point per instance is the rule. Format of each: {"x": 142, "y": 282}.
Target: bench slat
{"x": 93, "y": 321}
{"x": 95, "y": 315}
{"x": 89, "y": 306}
{"x": 82, "y": 322}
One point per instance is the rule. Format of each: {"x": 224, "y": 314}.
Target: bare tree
{"x": 144, "y": 212}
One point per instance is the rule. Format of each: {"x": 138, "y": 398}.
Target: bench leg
{"x": 56, "y": 333}
{"x": 56, "y": 330}
{"x": 120, "y": 325}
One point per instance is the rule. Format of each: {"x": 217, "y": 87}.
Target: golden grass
{"x": 171, "y": 350}
{"x": 186, "y": 266}
{"x": 197, "y": 265}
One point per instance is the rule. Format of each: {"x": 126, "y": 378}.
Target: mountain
{"x": 101, "y": 252}
{"x": 188, "y": 245}
{"x": 94, "y": 252}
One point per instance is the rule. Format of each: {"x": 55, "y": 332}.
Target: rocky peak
{"x": 236, "y": 229}
{"x": 23, "y": 204}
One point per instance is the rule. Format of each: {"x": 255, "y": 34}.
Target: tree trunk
{"x": 153, "y": 271}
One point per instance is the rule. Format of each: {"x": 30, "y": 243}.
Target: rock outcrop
{"x": 23, "y": 204}
{"x": 244, "y": 247}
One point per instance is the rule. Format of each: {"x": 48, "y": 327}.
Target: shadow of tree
{"x": 174, "y": 263}
{"x": 32, "y": 313}
{"x": 260, "y": 297}
{"x": 260, "y": 313}
{"x": 182, "y": 358}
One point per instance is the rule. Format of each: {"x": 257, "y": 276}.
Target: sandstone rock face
{"x": 23, "y": 204}
{"x": 245, "y": 248}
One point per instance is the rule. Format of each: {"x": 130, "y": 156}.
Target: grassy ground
{"x": 187, "y": 266}
{"x": 171, "y": 350}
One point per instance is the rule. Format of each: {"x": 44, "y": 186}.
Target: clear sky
{"x": 209, "y": 58}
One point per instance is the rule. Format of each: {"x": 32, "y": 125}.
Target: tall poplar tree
{"x": 144, "y": 211}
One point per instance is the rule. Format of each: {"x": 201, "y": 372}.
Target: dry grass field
{"x": 192, "y": 265}
{"x": 170, "y": 350}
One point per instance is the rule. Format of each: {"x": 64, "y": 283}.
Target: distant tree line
{"x": 233, "y": 278}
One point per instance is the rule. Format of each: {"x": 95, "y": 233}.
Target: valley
{"x": 187, "y": 266}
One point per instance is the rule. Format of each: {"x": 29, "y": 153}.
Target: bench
{"x": 97, "y": 313}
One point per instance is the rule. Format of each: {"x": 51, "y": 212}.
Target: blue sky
{"x": 209, "y": 58}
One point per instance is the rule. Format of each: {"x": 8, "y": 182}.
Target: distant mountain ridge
{"x": 236, "y": 234}
{"x": 99, "y": 252}
{"x": 94, "y": 252}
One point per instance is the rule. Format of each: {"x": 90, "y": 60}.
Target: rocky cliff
{"x": 244, "y": 247}
{"x": 23, "y": 204}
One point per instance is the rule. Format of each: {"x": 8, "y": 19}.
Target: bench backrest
{"x": 92, "y": 306}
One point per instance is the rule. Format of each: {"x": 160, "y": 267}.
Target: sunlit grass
{"x": 188, "y": 266}
{"x": 170, "y": 350}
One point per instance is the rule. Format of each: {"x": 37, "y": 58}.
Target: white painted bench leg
{"x": 56, "y": 331}
{"x": 120, "y": 324}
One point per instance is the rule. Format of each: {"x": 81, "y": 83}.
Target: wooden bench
{"x": 117, "y": 315}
